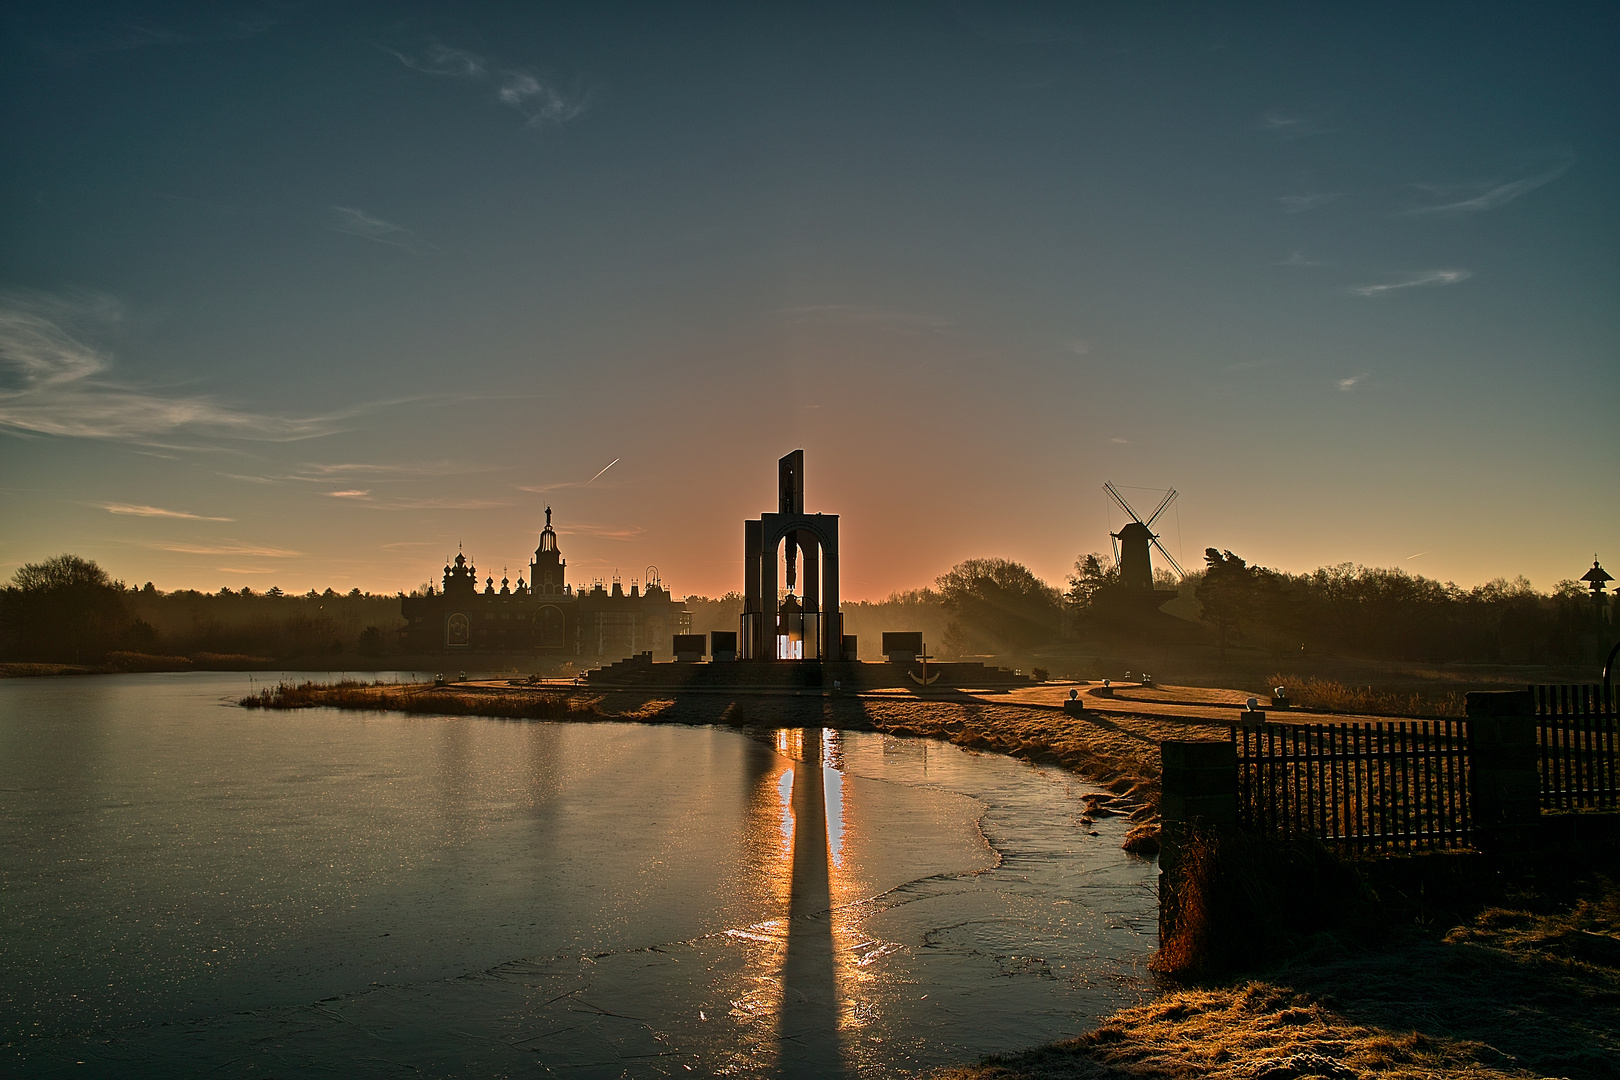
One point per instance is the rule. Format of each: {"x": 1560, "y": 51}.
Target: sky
{"x": 307, "y": 295}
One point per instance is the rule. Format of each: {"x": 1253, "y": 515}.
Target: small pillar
{"x": 1504, "y": 788}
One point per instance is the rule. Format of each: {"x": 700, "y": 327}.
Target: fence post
{"x": 1197, "y": 790}
{"x": 1503, "y": 785}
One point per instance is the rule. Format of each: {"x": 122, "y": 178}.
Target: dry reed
{"x": 421, "y": 698}
{"x": 1327, "y": 695}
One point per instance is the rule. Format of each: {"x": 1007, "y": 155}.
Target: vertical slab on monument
{"x": 1504, "y": 788}
{"x": 753, "y": 613}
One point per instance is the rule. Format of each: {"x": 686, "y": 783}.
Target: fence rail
{"x": 1578, "y": 736}
{"x": 1396, "y": 786}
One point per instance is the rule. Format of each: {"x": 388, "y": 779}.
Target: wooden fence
{"x": 1371, "y": 787}
{"x": 1578, "y": 735}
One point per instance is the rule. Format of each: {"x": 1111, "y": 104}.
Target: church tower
{"x": 546, "y": 572}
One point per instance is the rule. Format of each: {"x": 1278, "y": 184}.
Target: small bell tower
{"x": 546, "y": 572}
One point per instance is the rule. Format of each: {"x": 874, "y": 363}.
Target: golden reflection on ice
{"x": 814, "y": 957}
{"x": 803, "y": 998}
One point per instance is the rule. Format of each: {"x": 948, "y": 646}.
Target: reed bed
{"x": 1327, "y": 695}
{"x": 423, "y": 698}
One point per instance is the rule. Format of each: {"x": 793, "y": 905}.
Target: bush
{"x": 370, "y": 642}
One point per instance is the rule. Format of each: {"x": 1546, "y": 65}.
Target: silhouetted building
{"x": 808, "y": 626}
{"x": 543, "y": 615}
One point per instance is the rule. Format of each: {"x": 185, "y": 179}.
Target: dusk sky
{"x": 306, "y": 295}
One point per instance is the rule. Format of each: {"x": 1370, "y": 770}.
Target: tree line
{"x": 69, "y": 610}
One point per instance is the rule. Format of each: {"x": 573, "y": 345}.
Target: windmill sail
{"x": 1132, "y": 542}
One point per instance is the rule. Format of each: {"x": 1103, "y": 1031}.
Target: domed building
{"x": 544, "y": 615}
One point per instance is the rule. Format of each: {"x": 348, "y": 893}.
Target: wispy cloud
{"x": 545, "y": 106}
{"x": 449, "y": 502}
{"x": 365, "y": 497}
{"x": 1483, "y": 195}
{"x": 542, "y": 104}
{"x": 1298, "y": 259}
{"x": 94, "y": 33}
{"x": 157, "y": 512}
{"x": 1288, "y": 125}
{"x": 562, "y": 485}
{"x": 315, "y": 472}
{"x": 1427, "y": 279}
{"x": 53, "y": 382}
{"x": 403, "y": 471}
{"x": 356, "y": 222}
{"x": 258, "y": 551}
{"x": 1078, "y": 347}
{"x": 1298, "y": 204}
{"x": 1346, "y": 385}
{"x": 439, "y": 59}
{"x": 606, "y": 532}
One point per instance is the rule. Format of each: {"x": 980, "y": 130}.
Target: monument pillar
{"x": 753, "y": 605}
{"x": 770, "y": 613}
{"x": 832, "y": 620}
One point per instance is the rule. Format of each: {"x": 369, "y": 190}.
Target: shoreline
{"x": 1514, "y": 991}
{"x": 1117, "y": 752}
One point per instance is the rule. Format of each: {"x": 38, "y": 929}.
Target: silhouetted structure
{"x": 1130, "y": 606}
{"x": 544, "y": 615}
{"x": 793, "y": 629}
{"x": 798, "y": 641}
{"x": 1597, "y": 580}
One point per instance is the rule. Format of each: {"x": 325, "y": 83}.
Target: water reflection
{"x": 300, "y": 894}
{"x": 807, "y": 1026}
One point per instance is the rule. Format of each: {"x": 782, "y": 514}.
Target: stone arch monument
{"x": 806, "y": 624}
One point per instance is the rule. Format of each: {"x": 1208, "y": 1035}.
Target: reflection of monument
{"x": 803, "y": 627}
{"x": 544, "y": 615}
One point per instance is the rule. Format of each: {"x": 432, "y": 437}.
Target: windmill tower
{"x": 1131, "y": 543}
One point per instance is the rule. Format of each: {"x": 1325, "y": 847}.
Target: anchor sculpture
{"x": 926, "y": 680}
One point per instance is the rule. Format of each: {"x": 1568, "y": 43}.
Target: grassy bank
{"x": 1528, "y": 988}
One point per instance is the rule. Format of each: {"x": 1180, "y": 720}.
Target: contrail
{"x": 605, "y": 468}
{"x": 1409, "y": 558}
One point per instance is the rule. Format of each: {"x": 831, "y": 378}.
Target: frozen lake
{"x": 188, "y": 887}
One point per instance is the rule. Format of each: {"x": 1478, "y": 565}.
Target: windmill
{"x": 1131, "y": 543}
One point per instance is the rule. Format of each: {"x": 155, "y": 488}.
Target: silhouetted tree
{"x": 1091, "y": 573}
{"x": 1227, "y": 593}
{"x": 1000, "y": 602}
{"x": 64, "y": 609}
